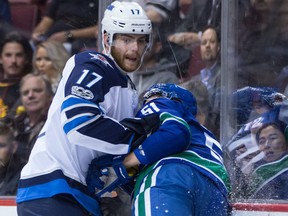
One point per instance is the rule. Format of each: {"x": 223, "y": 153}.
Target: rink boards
{"x": 8, "y": 208}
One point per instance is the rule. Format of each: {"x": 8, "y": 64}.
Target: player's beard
{"x": 123, "y": 63}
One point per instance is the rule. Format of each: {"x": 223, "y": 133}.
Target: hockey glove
{"x": 142, "y": 127}
{"x": 106, "y": 173}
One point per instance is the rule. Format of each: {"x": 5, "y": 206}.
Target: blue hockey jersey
{"x": 169, "y": 145}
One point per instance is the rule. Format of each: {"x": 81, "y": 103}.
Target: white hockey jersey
{"x": 93, "y": 95}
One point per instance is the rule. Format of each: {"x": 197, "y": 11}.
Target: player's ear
{"x": 105, "y": 38}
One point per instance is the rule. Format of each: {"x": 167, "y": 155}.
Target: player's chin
{"x": 131, "y": 66}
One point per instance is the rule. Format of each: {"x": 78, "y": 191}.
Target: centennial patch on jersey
{"x": 101, "y": 58}
{"x": 81, "y": 92}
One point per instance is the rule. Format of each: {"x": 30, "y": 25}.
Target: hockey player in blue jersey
{"x": 94, "y": 94}
{"x": 179, "y": 177}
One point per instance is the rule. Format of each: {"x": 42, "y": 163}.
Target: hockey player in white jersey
{"x": 93, "y": 95}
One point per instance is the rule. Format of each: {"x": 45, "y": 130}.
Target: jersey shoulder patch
{"x": 101, "y": 58}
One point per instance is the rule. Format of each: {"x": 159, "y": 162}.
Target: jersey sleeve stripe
{"x": 71, "y": 100}
{"x": 167, "y": 117}
{"x": 78, "y": 122}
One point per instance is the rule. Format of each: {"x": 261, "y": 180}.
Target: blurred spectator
{"x": 10, "y": 164}
{"x": 210, "y": 55}
{"x": 165, "y": 15}
{"x": 210, "y": 75}
{"x": 184, "y": 6}
{"x": 70, "y": 21}
{"x": 253, "y": 106}
{"x": 270, "y": 175}
{"x": 201, "y": 14}
{"x": 271, "y": 141}
{"x": 36, "y": 96}
{"x": 15, "y": 62}
{"x": 155, "y": 68}
{"x": 49, "y": 59}
{"x": 262, "y": 46}
{"x": 199, "y": 90}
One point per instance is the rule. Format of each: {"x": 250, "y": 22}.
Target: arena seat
{"x": 27, "y": 1}
{"x": 24, "y": 17}
{"x": 196, "y": 63}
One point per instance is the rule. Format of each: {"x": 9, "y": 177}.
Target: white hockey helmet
{"x": 125, "y": 18}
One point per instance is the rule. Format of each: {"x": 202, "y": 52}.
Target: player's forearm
{"x": 131, "y": 160}
{"x": 154, "y": 16}
{"x": 43, "y": 26}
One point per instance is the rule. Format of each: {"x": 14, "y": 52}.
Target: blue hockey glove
{"x": 94, "y": 178}
{"x": 106, "y": 173}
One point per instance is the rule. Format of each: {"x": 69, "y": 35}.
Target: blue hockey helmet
{"x": 173, "y": 92}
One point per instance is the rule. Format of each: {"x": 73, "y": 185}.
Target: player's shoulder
{"x": 100, "y": 66}
{"x": 94, "y": 58}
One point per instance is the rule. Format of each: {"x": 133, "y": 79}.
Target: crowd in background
{"x": 186, "y": 51}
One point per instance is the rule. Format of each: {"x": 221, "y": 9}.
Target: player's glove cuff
{"x": 106, "y": 173}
